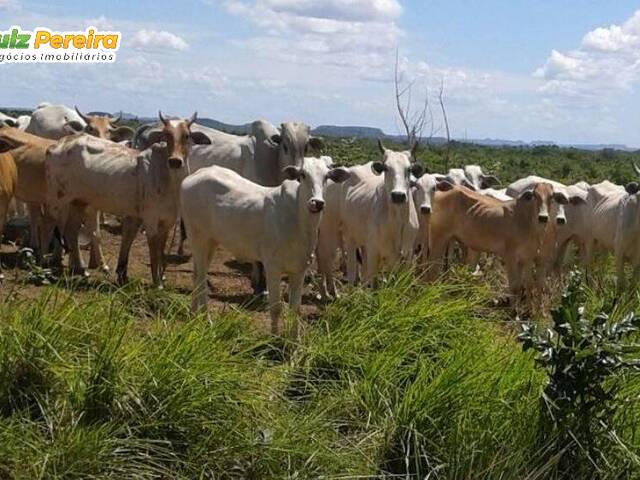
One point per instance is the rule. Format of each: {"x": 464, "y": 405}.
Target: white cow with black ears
{"x": 277, "y": 226}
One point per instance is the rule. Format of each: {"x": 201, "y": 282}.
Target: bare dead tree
{"x": 446, "y": 124}
{"x": 413, "y": 122}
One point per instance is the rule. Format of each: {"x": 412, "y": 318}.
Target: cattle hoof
{"x": 79, "y": 272}
{"x": 122, "y": 279}
{"x": 1, "y": 276}
{"x": 104, "y": 269}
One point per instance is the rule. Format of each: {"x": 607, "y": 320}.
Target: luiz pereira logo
{"x": 46, "y": 46}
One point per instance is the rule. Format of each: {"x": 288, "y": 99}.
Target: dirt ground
{"x": 229, "y": 279}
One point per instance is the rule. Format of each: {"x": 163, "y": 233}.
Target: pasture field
{"x": 405, "y": 381}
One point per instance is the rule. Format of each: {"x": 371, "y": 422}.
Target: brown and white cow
{"x": 141, "y": 187}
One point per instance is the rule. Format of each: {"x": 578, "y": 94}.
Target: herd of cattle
{"x": 266, "y": 200}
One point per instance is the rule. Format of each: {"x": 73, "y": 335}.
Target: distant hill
{"x": 350, "y": 131}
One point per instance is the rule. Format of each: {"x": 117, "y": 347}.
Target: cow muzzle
{"x": 175, "y": 162}
{"x": 543, "y": 218}
{"x": 425, "y": 209}
{"x": 316, "y": 205}
{"x": 561, "y": 220}
{"x": 398, "y": 197}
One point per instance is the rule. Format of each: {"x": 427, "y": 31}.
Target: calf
{"x": 142, "y": 187}
{"x": 512, "y": 230}
{"x": 377, "y": 214}
{"x": 277, "y": 226}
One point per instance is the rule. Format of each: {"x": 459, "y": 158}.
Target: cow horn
{"x": 636, "y": 168}
{"x": 381, "y": 146}
{"x": 162, "y": 119}
{"x": 114, "y": 121}
{"x": 192, "y": 118}
{"x": 83, "y": 117}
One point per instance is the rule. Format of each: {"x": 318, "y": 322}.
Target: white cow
{"x": 277, "y": 226}
{"x": 628, "y": 233}
{"x": 20, "y": 122}
{"x": 377, "y": 215}
{"x": 424, "y": 192}
{"x": 471, "y": 176}
{"x": 142, "y": 187}
{"x": 55, "y": 121}
{"x": 603, "y": 202}
{"x": 498, "y": 194}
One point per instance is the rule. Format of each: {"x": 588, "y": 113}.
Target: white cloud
{"x": 158, "y": 40}
{"x": 355, "y": 34}
{"x": 606, "y": 63}
{"x": 615, "y": 38}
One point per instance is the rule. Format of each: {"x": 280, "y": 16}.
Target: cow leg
{"x": 71, "y": 233}
{"x": 371, "y": 267}
{"x": 438, "y": 249}
{"x": 296, "y": 286}
{"x": 514, "y": 279}
{"x": 258, "y": 281}
{"x": 352, "y": 261}
{"x": 472, "y": 260}
{"x": 35, "y": 220}
{"x": 201, "y": 254}
{"x": 130, "y": 227}
{"x": 157, "y": 241}
{"x": 274, "y": 277}
{"x": 96, "y": 258}
{"x": 183, "y": 238}
{"x": 325, "y": 255}
{"x": 4, "y": 209}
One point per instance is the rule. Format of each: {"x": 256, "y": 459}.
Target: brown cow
{"x": 512, "y": 230}
{"x": 105, "y": 127}
{"x": 28, "y": 152}
{"x": 8, "y": 181}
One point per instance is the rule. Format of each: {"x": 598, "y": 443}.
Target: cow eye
{"x": 284, "y": 147}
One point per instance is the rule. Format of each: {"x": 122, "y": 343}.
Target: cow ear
{"x": 275, "y": 140}
{"x": 292, "y": 173}
{"x": 9, "y": 122}
{"x": 560, "y": 198}
{"x": 317, "y": 143}
{"x": 339, "y": 174}
{"x": 417, "y": 170}
{"x": 444, "y": 185}
{"x": 413, "y": 183}
{"x": 378, "y": 168}
{"x": 73, "y": 126}
{"x": 632, "y": 188}
{"x": 122, "y": 133}
{"x": 577, "y": 200}
{"x": 489, "y": 181}
{"x": 199, "y": 138}
{"x": 5, "y": 146}
{"x": 526, "y": 195}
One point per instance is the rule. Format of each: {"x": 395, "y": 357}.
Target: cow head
{"x": 105, "y": 127}
{"x": 294, "y": 142}
{"x": 313, "y": 176}
{"x": 425, "y": 189}
{"x": 541, "y": 198}
{"x": 397, "y": 168}
{"x": 478, "y": 178}
{"x": 457, "y": 176}
{"x": 179, "y": 138}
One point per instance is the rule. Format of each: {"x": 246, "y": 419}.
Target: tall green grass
{"x": 408, "y": 380}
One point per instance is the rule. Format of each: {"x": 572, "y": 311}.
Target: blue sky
{"x": 531, "y": 70}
